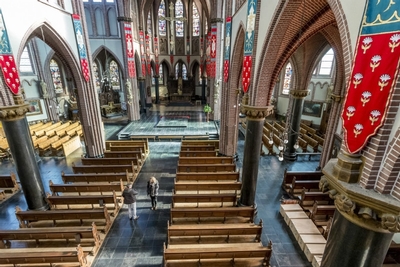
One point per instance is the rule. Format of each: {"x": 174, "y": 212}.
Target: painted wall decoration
{"x": 227, "y": 52}
{"x": 374, "y": 74}
{"x": 129, "y": 50}
{"x": 81, "y": 46}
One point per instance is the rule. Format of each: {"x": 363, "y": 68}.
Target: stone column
{"x": 157, "y": 88}
{"x": 203, "y": 90}
{"x": 364, "y": 221}
{"x": 19, "y": 139}
{"x": 293, "y": 124}
{"x": 142, "y": 93}
{"x": 251, "y": 155}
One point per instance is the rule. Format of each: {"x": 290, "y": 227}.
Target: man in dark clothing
{"x": 129, "y": 196}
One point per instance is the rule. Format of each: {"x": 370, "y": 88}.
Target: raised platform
{"x": 173, "y": 121}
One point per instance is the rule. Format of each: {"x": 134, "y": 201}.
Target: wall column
{"x": 364, "y": 221}
{"x": 203, "y": 90}
{"x": 293, "y": 124}
{"x": 251, "y": 156}
{"x": 142, "y": 94}
{"x": 157, "y": 88}
{"x": 19, "y": 139}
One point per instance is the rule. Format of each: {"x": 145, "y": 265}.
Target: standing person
{"x": 152, "y": 191}
{"x": 129, "y": 195}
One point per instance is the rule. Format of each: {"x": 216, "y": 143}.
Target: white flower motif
{"x": 375, "y": 113}
{"x": 366, "y": 94}
{"x": 358, "y": 126}
{"x": 367, "y": 40}
{"x": 358, "y": 76}
{"x": 351, "y": 109}
{"x": 395, "y": 37}
{"x": 385, "y": 77}
{"x": 376, "y": 58}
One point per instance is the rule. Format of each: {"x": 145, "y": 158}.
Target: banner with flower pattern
{"x": 373, "y": 75}
{"x": 81, "y": 46}
{"x": 7, "y": 62}
{"x": 248, "y": 43}
{"x": 129, "y": 50}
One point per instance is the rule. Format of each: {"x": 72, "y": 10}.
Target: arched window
{"x": 326, "y": 65}
{"x": 196, "y": 21}
{"x": 162, "y": 29}
{"x": 184, "y": 72}
{"x": 176, "y": 70}
{"x": 179, "y": 14}
{"x": 149, "y": 23}
{"x": 161, "y": 73}
{"x": 89, "y": 21}
{"x": 112, "y": 22}
{"x": 287, "y": 79}
{"x": 56, "y": 75}
{"x": 114, "y": 75}
{"x": 25, "y": 64}
{"x": 100, "y": 22}
{"x": 205, "y": 24}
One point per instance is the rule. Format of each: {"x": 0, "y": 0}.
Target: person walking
{"x": 129, "y": 195}
{"x": 152, "y": 191}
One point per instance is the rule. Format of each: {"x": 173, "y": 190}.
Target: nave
{"x": 140, "y": 243}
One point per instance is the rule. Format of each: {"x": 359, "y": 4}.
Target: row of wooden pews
{"x": 81, "y": 214}
{"x": 206, "y": 226}
{"x": 8, "y": 186}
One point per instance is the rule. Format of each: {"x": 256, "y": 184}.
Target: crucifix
{"x": 171, "y": 19}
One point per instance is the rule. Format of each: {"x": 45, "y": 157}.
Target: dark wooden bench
{"x": 197, "y": 153}
{"x": 126, "y": 154}
{"x": 131, "y": 143}
{"x": 217, "y": 254}
{"x": 206, "y": 160}
{"x": 308, "y": 198}
{"x": 300, "y": 175}
{"x": 214, "y": 143}
{"x": 90, "y": 200}
{"x": 207, "y": 176}
{"x": 196, "y": 137}
{"x": 25, "y": 218}
{"x": 8, "y": 183}
{"x": 86, "y": 188}
{"x": 95, "y": 177}
{"x": 197, "y": 148}
{"x": 219, "y": 214}
{"x": 200, "y": 232}
{"x": 51, "y": 233}
{"x": 130, "y": 168}
{"x": 219, "y": 187}
{"x": 112, "y": 161}
{"x": 206, "y": 167}
{"x": 53, "y": 257}
{"x": 320, "y": 214}
{"x": 220, "y": 199}
{"x": 298, "y": 186}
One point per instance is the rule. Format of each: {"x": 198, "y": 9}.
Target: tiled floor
{"x": 140, "y": 243}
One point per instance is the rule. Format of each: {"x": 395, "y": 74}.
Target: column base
{"x": 290, "y": 156}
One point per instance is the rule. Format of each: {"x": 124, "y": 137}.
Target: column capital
{"x": 156, "y": 76}
{"x": 299, "y": 93}
{"x": 217, "y": 20}
{"x": 14, "y": 112}
{"x": 125, "y": 19}
{"x": 365, "y": 208}
{"x": 141, "y": 79}
{"x": 256, "y": 113}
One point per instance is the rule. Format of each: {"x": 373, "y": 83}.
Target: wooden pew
{"x": 139, "y": 143}
{"x": 187, "y": 199}
{"x": 308, "y": 198}
{"x": 38, "y": 140}
{"x": 178, "y": 233}
{"x": 94, "y": 177}
{"x": 311, "y": 142}
{"x": 63, "y": 131}
{"x": 215, "y": 255}
{"x": 39, "y": 127}
{"x": 104, "y": 168}
{"x": 57, "y": 147}
{"x": 207, "y": 176}
{"x": 300, "y": 175}
{"x": 44, "y": 146}
{"x": 8, "y": 183}
{"x": 243, "y": 214}
{"x": 319, "y": 139}
{"x": 206, "y": 160}
{"x": 206, "y": 167}
{"x": 112, "y": 161}
{"x": 197, "y": 153}
{"x": 51, "y": 233}
{"x": 74, "y": 131}
{"x": 320, "y": 214}
{"x": 298, "y": 185}
{"x": 214, "y": 143}
{"x": 26, "y": 218}
{"x": 126, "y": 150}
{"x": 197, "y": 148}
{"x": 78, "y": 189}
{"x": 126, "y": 154}
{"x": 43, "y": 131}
{"x": 219, "y": 187}
{"x": 34, "y": 256}
{"x": 90, "y": 200}
{"x": 266, "y": 143}
{"x": 53, "y": 131}
{"x": 35, "y": 126}
{"x": 310, "y": 130}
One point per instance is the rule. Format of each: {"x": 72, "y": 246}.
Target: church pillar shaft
{"x": 142, "y": 92}
{"x": 352, "y": 245}
{"x": 203, "y": 91}
{"x": 157, "y": 89}
{"x": 19, "y": 140}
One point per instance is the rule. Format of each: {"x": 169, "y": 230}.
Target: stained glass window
{"x": 179, "y": 14}
{"x": 149, "y": 23}
{"x": 160, "y": 72}
{"x": 96, "y": 75}
{"x": 114, "y": 74}
{"x": 176, "y": 70}
{"x": 56, "y": 75}
{"x": 287, "y": 79}
{"x": 196, "y": 21}
{"x": 162, "y": 29}
{"x": 205, "y": 25}
{"x": 184, "y": 72}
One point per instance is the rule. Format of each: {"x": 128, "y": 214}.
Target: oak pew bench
{"x": 95, "y": 177}
{"x": 197, "y": 153}
{"x": 126, "y": 154}
{"x": 247, "y": 254}
{"x": 112, "y": 161}
{"x": 77, "y": 234}
{"x": 320, "y": 214}
{"x": 206, "y": 167}
{"x": 130, "y": 168}
{"x": 90, "y": 200}
{"x": 36, "y": 256}
{"x": 78, "y": 189}
{"x": 197, "y": 148}
{"x": 214, "y": 143}
{"x": 307, "y": 199}
{"x": 300, "y": 175}
{"x": 31, "y": 218}
{"x": 188, "y": 200}
{"x": 223, "y": 215}
{"x": 207, "y": 176}
{"x": 206, "y": 160}
{"x": 199, "y": 188}
{"x": 137, "y": 143}
{"x": 298, "y": 186}
{"x": 223, "y": 233}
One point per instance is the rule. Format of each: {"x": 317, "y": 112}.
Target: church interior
{"x": 271, "y": 126}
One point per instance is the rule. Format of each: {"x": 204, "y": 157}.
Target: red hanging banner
{"x": 156, "y": 55}
{"x": 142, "y": 60}
{"x": 148, "y": 54}
{"x": 213, "y": 51}
{"x": 208, "y": 55}
{"x": 201, "y": 56}
{"x": 129, "y": 50}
